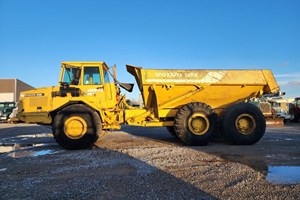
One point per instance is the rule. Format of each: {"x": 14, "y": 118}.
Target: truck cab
{"x": 80, "y": 83}
{"x": 91, "y": 80}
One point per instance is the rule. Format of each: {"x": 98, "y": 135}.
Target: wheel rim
{"x": 198, "y": 124}
{"x": 245, "y": 124}
{"x": 75, "y": 127}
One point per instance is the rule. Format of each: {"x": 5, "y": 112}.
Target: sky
{"x": 35, "y": 36}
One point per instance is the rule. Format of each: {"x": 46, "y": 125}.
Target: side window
{"x": 106, "y": 77}
{"x": 91, "y": 76}
{"x": 11, "y": 105}
{"x": 71, "y": 76}
{"x": 67, "y": 77}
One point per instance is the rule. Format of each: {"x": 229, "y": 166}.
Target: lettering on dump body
{"x": 168, "y": 76}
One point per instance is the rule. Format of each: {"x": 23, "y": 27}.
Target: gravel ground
{"x": 146, "y": 163}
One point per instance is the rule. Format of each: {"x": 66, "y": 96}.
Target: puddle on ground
{"x": 6, "y": 148}
{"x": 283, "y": 174}
{"x": 25, "y": 150}
{"x": 21, "y": 154}
{"x": 40, "y": 135}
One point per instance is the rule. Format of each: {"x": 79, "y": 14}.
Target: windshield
{"x": 7, "y": 105}
{"x": 71, "y": 75}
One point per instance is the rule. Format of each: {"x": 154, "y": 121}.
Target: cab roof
{"x": 84, "y": 63}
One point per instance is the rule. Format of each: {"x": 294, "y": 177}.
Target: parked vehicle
{"x": 6, "y": 109}
{"x": 190, "y": 103}
{"x": 294, "y": 110}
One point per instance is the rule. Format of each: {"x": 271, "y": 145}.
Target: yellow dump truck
{"x": 192, "y": 104}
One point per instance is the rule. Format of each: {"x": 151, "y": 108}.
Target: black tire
{"x": 172, "y": 131}
{"x": 76, "y": 114}
{"x": 243, "y": 124}
{"x": 195, "y": 123}
{"x": 294, "y": 115}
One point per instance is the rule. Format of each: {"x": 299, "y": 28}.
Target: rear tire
{"x": 195, "y": 123}
{"x": 76, "y": 127}
{"x": 243, "y": 124}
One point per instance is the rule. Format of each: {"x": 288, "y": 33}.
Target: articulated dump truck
{"x": 193, "y": 105}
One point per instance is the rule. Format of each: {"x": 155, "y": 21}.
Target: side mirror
{"x": 127, "y": 86}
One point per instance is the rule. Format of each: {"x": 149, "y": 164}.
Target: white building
{"x": 10, "y": 89}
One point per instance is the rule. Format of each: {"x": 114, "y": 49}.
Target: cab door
{"x": 93, "y": 85}
{"x": 97, "y": 87}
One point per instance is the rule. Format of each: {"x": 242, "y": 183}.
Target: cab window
{"x": 106, "y": 77}
{"x": 91, "y": 76}
{"x": 71, "y": 75}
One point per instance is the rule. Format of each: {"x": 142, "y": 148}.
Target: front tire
{"x": 243, "y": 124}
{"x": 76, "y": 127}
{"x": 195, "y": 123}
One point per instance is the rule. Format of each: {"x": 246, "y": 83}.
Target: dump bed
{"x": 162, "y": 88}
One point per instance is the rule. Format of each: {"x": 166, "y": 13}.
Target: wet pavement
{"x": 142, "y": 157}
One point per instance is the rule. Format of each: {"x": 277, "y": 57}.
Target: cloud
{"x": 289, "y": 79}
{"x": 289, "y": 83}
{"x": 282, "y": 83}
{"x": 293, "y": 75}
{"x": 294, "y": 83}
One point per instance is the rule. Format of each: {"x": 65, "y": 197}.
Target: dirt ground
{"x": 148, "y": 163}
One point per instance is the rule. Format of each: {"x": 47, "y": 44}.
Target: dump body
{"x": 165, "y": 89}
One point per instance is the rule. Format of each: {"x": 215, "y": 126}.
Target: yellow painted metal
{"x": 167, "y": 113}
{"x": 245, "y": 124}
{"x": 158, "y": 123}
{"x": 75, "y": 127}
{"x": 137, "y": 117}
{"x": 272, "y": 86}
{"x": 180, "y": 97}
{"x": 198, "y": 124}
{"x": 163, "y": 92}
{"x": 39, "y": 105}
{"x": 219, "y": 88}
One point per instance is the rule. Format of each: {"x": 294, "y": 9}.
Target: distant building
{"x": 10, "y": 89}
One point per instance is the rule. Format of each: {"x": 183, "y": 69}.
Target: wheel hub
{"x": 75, "y": 127}
{"x": 245, "y": 124}
{"x": 198, "y": 124}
